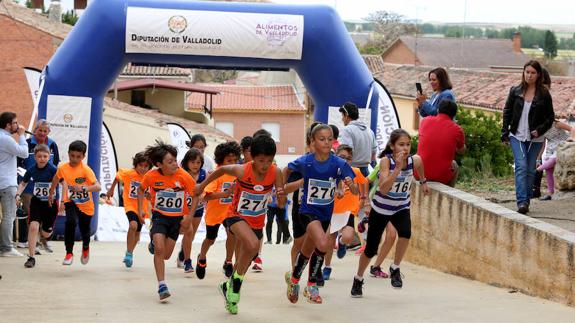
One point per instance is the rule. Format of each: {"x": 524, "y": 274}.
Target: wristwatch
{"x": 423, "y": 181}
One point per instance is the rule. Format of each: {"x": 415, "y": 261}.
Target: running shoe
{"x": 68, "y": 259}
{"x": 188, "y": 268}
{"x": 22, "y": 245}
{"x": 292, "y": 288}
{"x": 228, "y": 269}
{"x": 341, "y": 249}
{"x": 258, "y": 265}
{"x": 375, "y": 271}
{"x": 129, "y": 259}
{"x": 360, "y": 250}
{"x": 357, "y": 288}
{"x": 288, "y": 240}
{"x": 312, "y": 295}
{"x": 151, "y": 247}
{"x": 163, "y": 292}
{"x": 361, "y": 225}
{"x": 30, "y": 263}
{"x": 224, "y": 289}
{"x": 85, "y": 256}
{"x": 395, "y": 275}
{"x": 326, "y": 272}
{"x": 201, "y": 268}
{"x": 180, "y": 259}
{"x": 46, "y": 245}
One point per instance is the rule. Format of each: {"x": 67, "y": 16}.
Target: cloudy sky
{"x": 501, "y": 11}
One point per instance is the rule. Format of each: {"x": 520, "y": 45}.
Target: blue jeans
{"x": 525, "y": 155}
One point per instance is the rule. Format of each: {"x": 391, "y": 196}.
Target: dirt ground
{"x": 560, "y": 211}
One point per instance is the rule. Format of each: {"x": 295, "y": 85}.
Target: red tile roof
{"x": 34, "y": 19}
{"x": 278, "y": 98}
{"x": 462, "y": 53}
{"x": 159, "y": 83}
{"x": 476, "y": 88}
{"x": 156, "y": 71}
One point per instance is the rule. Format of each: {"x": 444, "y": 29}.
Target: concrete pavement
{"x": 104, "y": 290}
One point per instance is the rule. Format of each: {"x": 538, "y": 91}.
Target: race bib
{"x": 80, "y": 197}
{"x": 42, "y": 190}
{"x": 320, "y": 192}
{"x": 170, "y": 202}
{"x": 401, "y": 187}
{"x": 225, "y": 186}
{"x": 251, "y": 204}
{"x": 134, "y": 189}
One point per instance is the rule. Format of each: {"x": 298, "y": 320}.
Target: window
{"x": 273, "y": 128}
{"x": 226, "y": 127}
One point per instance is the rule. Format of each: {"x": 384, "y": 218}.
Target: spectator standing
{"x": 442, "y": 90}
{"x": 41, "y": 132}
{"x": 440, "y": 138}
{"x": 9, "y": 151}
{"x": 358, "y": 136}
{"x": 527, "y": 115}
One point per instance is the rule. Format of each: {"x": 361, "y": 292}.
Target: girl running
{"x": 391, "y": 204}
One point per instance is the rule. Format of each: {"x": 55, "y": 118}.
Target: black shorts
{"x": 351, "y": 221}
{"x": 228, "y": 222}
{"x": 199, "y": 213}
{"x": 132, "y": 216}
{"x": 212, "y": 231}
{"x": 166, "y": 225}
{"x": 377, "y": 224}
{"x": 43, "y": 213}
{"x": 300, "y": 223}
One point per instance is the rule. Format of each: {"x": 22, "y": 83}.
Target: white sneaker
{"x": 22, "y": 245}
{"x": 11, "y": 253}
{"x": 46, "y": 245}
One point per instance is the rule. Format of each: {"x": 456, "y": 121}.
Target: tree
{"x": 387, "y": 26}
{"x": 550, "y": 45}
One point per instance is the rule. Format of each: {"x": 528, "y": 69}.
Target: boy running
{"x": 79, "y": 181}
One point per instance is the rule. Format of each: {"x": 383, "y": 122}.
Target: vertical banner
{"x": 387, "y": 117}
{"x": 35, "y": 79}
{"x": 69, "y": 118}
{"x": 179, "y": 137}
{"x": 108, "y": 163}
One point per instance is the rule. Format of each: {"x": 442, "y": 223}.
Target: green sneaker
{"x": 232, "y": 308}
{"x": 292, "y": 289}
{"x": 231, "y": 296}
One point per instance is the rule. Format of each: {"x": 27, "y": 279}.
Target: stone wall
{"x": 462, "y": 234}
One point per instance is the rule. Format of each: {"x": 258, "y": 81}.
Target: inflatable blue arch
{"x": 311, "y": 39}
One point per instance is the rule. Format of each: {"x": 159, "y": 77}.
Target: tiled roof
{"x": 32, "y": 18}
{"x": 278, "y": 98}
{"x": 463, "y": 53}
{"x": 157, "y": 71}
{"x": 374, "y": 63}
{"x": 149, "y": 83}
{"x": 162, "y": 118}
{"x": 476, "y": 88}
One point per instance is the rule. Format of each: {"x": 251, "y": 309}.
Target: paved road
{"x": 104, "y": 290}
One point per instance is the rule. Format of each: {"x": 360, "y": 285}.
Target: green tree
{"x": 388, "y": 26}
{"x": 550, "y": 45}
{"x": 70, "y": 17}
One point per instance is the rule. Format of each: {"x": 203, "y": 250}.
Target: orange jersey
{"x": 168, "y": 194}
{"x": 350, "y": 202}
{"x": 131, "y": 181}
{"x": 251, "y": 196}
{"x": 216, "y": 210}
{"x": 80, "y": 175}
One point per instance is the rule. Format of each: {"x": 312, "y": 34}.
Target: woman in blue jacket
{"x": 441, "y": 86}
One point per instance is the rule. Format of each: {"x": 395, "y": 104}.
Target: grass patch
{"x": 487, "y": 184}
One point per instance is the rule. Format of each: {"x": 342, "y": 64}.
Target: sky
{"x": 495, "y": 11}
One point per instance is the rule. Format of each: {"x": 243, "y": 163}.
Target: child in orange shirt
{"x": 345, "y": 209}
{"x": 131, "y": 180}
{"x": 79, "y": 181}
{"x": 246, "y": 216}
{"x": 218, "y": 196}
{"x": 169, "y": 187}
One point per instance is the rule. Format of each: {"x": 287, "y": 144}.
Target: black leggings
{"x": 281, "y": 221}
{"x": 377, "y": 223}
{"x": 75, "y": 216}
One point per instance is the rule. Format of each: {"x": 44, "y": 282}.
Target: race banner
{"x": 179, "y": 137}
{"x": 387, "y": 116}
{"x": 108, "y": 163}
{"x": 69, "y": 118}
{"x": 35, "y": 79}
{"x": 214, "y": 33}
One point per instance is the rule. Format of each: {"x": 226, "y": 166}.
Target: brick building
{"x": 28, "y": 40}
